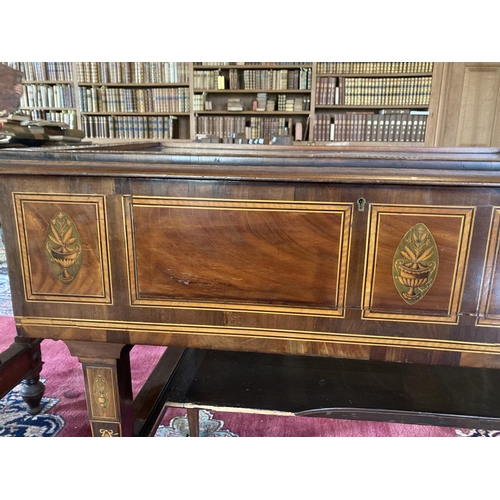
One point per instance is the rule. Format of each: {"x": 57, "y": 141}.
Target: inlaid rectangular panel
{"x": 261, "y": 256}
{"x": 100, "y": 384}
{"x": 416, "y": 262}
{"x": 63, "y": 247}
{"x": 489, "y": 306}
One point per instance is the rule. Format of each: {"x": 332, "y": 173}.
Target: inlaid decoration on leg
{"x": 101, "y": 391}
{"x": 105, "y": 429}
{"x": 101, "y": 394}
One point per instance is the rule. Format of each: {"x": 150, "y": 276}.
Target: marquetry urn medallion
{"x": 64, "y": 248}
{"x": 415, "y": 264}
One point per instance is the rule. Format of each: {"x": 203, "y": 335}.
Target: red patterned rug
{"x": 65, "y": 413}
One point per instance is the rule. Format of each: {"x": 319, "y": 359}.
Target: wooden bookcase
{"x": 372, "y": 101}
{"x": 134, "y": 100}
{"x": 269, "y": 99}
{"x": 49, "y": 92}
{"x": 315, "y": 102}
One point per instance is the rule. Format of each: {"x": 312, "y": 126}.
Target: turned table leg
{"x": 32, "y": 390}
{"x": 108, "y": 386}
{"x": 22, "y": 362}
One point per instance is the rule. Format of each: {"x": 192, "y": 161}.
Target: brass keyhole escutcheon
{"x": 361, "y": 204}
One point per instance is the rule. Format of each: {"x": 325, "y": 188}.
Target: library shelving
{"x": 371, "y": 101}
{"x": 134, "y": 100}
{"x": 251, "y": 100}
{"x": 316, "y": 102}
{"x": 48, "y": 91}
{"x": 45, "y": 71}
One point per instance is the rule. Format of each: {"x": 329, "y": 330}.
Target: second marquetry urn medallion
{"x": 415, "y": 264}
{"x": 64, "y": 248}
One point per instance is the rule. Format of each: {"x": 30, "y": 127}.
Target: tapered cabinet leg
{"x": 108, "y": 387}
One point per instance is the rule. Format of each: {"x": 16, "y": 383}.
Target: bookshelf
{"x": 251, "y": 101}
{"x": 372, "y": 101}
{"x": 134, "y": 100}
{"x": 48, "y": 92}
{"x": 315, "y": 102}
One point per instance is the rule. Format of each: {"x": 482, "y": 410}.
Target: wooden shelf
{"x": 252, "y": 113}
{"x": 372, "y": 106}
{"x": 107, "y": 140}
{"x": 128, "y": 113}
{"x": 34, "y": 108}
{"x": 374, "y": 75}
{"x": 114, "y": 84}
{"x": 48, "y": 82}
{"x": 252, "y": 91}
{"x": 252, "y": 66}
{"x": 368, "y": 143}
{"x": 324, "y": 387}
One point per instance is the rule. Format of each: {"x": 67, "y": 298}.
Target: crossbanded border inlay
{"x": 466, "y": 214}
{"x": 486, "y": 318}
{"x": 143, "y": 328}
{"x": 99, "y": 204}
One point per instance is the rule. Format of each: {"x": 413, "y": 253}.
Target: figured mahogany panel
{"x": 63, "y": 247}
{"x": 263, "y": 256}
{"x": 489, "y": 306}
{"x": 416, "y": 262}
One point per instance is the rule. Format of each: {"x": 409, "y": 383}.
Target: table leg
{"x": 108, "y": 386}
{"x": 32, "y": 390}
{"x": 22, "y": 360}
{"x": 193, "y": 416}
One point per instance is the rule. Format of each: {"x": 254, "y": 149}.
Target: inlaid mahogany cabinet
{"x": 379, "y": 256}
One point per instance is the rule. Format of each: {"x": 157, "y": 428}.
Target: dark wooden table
{"x": 383, "y": 258}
